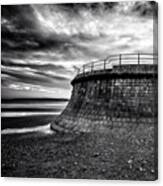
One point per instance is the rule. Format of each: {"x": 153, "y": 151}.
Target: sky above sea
{"x": 44, "y": 45}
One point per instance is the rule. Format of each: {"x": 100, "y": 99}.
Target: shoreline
{"x": 26, "y": 121}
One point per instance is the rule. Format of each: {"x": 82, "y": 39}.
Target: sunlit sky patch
{"x": 43, "y": 45}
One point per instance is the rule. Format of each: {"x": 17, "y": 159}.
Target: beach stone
{"x": 96, "y": 154}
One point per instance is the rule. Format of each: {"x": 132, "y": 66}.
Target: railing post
{"x": 83, "y": 69}
{"x": 92, "y": 65}
{"x": 120, "y": 59}
{"x": 104, "y": 64}
{"x": 138, "y": 58}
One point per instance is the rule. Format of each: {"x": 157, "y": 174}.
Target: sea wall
{"x": 116, "y": 97}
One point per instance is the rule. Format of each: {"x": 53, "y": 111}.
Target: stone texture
{"x": 126, "y": 94}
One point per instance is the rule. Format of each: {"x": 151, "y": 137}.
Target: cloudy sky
{"x": 43, "y": 45}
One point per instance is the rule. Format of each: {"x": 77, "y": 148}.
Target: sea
{"x": 29, "y": 115}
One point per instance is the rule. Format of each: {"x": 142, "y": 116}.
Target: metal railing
{"x": 120, "y": 59}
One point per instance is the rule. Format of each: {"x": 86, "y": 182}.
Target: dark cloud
{"x": 148, "y": 8}
{"x": 21, "y": 16}
{"x": 38, "y": 78}
{"x": 45, "y": 67}
{"x": 93, "y": 7}
{"x": 28, "y": 41}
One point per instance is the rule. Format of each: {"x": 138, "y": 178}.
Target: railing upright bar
{"x": 83, "y": 69}
{"x": 104, "y": 64}
{"x": 92, "y": 66}
{"x": 138, "y": 58}
{"x": 120, "y": 59}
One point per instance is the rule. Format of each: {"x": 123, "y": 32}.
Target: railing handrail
{"x": 119, "y": 59}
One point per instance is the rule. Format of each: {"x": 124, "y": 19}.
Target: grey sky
{"x": 43, "y": 44}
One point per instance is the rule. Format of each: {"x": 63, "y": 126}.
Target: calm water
{"x": 29, "y": 117}
{"x": 32, "y": 109}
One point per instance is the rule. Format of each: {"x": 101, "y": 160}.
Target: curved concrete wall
{"x": 111, "y": 98}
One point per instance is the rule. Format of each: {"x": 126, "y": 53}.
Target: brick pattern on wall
{"x": 125, "y": 95}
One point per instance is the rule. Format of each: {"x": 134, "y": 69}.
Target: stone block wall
{"x": 111, "y": 98}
